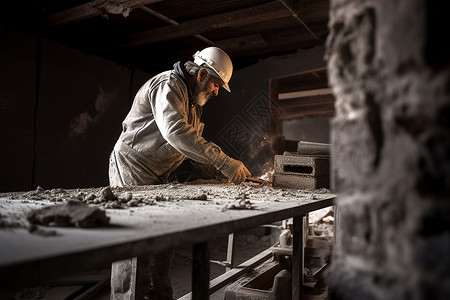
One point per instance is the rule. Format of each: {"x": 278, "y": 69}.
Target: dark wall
{"x": 310, "y": 128}
{"x": 61, "y": 113}
{"x": 17, "y": 109}
{"x": 239, "y": 121}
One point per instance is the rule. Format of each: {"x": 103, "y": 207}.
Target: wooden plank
{"x": 87, "y": 10}
{"x": 173, "y": 22}
{"x": 302, "y": 94}
{"x": 295, "y": 14}
{"x": 309, "y": 10}
{"x": 288, "y": 40}
{"x": 241, "y": 43}
{"x": 252, "y": 15}
{"x": 200, "y": 271}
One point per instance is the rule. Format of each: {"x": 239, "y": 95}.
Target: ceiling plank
{"x": 290, "y": 7}
{"x": 91, "y": 9}
{"x": 240, "y": 43}
{"x": 173, "y": 22}
{"x": 287, "y": 40}
{"x": 252, "y": 15}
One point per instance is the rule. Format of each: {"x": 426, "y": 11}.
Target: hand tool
{"x": 257, "y": 180}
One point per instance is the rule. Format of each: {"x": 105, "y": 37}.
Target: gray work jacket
{"x": 163, "y": 127}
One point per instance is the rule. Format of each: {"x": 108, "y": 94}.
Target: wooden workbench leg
{"x": 200, "y": 271}
{"x": 297, "y": 258}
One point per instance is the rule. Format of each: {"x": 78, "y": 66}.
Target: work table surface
{"x": 166, "y": 216}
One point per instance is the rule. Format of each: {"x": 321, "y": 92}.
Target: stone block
{"x": 301, "y": 165}
{"x": 302, "y": 172}
{"x": 313, "y": 149}
{"x": 300, "y": 182}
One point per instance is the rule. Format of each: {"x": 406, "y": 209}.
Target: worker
{"x": 161, "y": 129}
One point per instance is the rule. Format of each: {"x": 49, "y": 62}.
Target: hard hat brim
{"x": 200, "y": 61}
{"x": 225, "y": 86}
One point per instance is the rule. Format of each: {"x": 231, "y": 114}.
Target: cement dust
{"x": 15, "y": 206}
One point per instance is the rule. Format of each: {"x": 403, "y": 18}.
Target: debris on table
{"x": 34, "y": 229}
{"x": 202, "y": 197}
{"x": 72, "y": 213}
{"x": 215, "y": 191}
{"x": 161, "y": 197}
{"x": 107, "y": 194}
{"x": 240, "y": 204}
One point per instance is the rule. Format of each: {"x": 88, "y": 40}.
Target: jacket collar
{"x": 181, "y": 72}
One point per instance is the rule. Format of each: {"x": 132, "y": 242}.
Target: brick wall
{"x": 389, "y": 69}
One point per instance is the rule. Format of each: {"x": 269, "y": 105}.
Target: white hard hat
{"x": 218, "y": 60}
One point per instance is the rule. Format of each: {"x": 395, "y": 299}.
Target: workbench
{"x": 167, "y": 223}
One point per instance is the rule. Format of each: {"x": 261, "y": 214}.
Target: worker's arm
{"x": 171, "y": 116}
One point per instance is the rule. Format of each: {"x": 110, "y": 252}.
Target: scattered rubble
{"x": 240, "y": 204}
{"x": 123, "y": 197}
{"x": 107, "y": 194}
{"x": 227, "y": 196}
{"x": 12, "y": 219}
{"x": 72, "y": 213}
{"x": 161, "y": 197}
{"x": 202, "y": 197}
{"x": 34, "y": 229}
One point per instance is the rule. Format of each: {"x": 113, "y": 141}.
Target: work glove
{"x": 234, "y": 170}
{"x": 208, "y": 169}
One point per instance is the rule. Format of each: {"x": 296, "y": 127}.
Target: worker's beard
{"x": 201, "y": 96}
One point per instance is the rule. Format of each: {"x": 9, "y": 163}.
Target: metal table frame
{"x": 202, "y": 287}
{"x": 100, "y": 255}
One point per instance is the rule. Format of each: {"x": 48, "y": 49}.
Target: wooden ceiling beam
{"x": 252, "y": 15}
{"x": 295, "y": 15}
{"x": 173, "y": 22}
{"x": 287, "y": 40}
{"x": 92, "y": 9}
{"x": 241, "y": 43}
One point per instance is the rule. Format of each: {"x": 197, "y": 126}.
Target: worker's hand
{"x": 235, "y": 171}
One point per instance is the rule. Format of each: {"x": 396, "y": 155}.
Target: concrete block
{"x": 301, "y": 165}
{"x": 300, "y": 182}
{"x": 302, "y": 172}
{"x": 313, "y": 149}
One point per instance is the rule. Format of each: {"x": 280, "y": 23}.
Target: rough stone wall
{"x": 389, "y": 69}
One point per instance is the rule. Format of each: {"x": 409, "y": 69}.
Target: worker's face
{"x": 206, "y": 87}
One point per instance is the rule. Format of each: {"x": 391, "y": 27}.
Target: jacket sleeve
{"x": 168, "y": 102}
